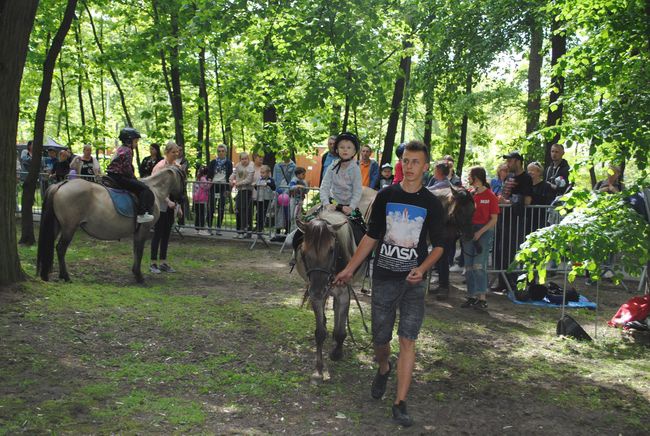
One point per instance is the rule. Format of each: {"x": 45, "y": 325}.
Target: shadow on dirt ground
{"x": 222, "y": 346}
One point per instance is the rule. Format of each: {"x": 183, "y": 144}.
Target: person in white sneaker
{"x": 121, "y": 171}
{"x": 163, "y": 227}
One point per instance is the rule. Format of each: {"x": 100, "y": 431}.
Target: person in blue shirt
{"x": 496, "y": 184}
{"x": 328, "y": 157}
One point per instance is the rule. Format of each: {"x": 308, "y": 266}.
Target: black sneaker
{"x": 166, "y": 268}
{"x": 379, "y": 383}
{"x": 470, "y": 302}
{"x": 480, "y": 304}
{"x": 401, "y": 416}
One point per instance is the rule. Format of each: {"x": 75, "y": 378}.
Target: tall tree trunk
{"x": 398, "y": 94}
{"x": 535, "y": 60}
{"x": 335, "y": 120}
{"x": 27, "y": 219}
{"x": 175, "y": 73}
{"x": 463, "y": 129}
{"x": 554, "y": 117}
{"x": 16, "y": 21}
{"x": 93, "y": 113}
{"x": 229, "y": 139}
{"x": 243, "y": 137}
{"x": 59, "y": 118}
{"x": 219, "y": 97}
{"x": 592, "y": 176}
{"x": 428, "y": 119}
{"x": 270, "y": 115}
{"x": 80, "y": 69}
{"x": 100, "y": 47}
{"x": 405, "y": 109}
{"x": 203, "y": 90}
{"x": 102, "y": 96}
{"x": 346, "y": 114}
{"x": 65, "y": 103}
{"x": 199, "y": 133}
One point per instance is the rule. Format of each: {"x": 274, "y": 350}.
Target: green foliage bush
{"x": 595, "y": 227}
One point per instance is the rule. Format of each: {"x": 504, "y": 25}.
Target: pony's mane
{"x": 318, "y": 237}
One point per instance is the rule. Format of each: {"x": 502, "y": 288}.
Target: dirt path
{"x": 222, "y": 347}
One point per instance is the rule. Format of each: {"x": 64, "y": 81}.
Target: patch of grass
{"x": 153, "y": 409}
{"x": 253, "y": 382}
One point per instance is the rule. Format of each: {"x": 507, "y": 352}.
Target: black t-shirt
{"x": 542, "y": 193}
{"x": 401, "y": 221}
{"x": 87, "y": 168}
{"x": 521, "y": 185}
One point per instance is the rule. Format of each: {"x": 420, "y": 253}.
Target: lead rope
{"x": 363, "y": 321}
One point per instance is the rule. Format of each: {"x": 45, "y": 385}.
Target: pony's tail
{"x": 46, "y": 235}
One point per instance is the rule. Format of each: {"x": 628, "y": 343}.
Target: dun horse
{"x": 79, "y": 203}
{"x": 327, "y": 247}
{"x": 458, "y": 205}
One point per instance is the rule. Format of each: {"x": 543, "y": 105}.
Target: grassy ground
{"x": 223, "y": 347}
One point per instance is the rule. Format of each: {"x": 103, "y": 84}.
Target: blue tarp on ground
{"x": 584, "y": 303}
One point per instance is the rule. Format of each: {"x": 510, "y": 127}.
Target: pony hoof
{"x": 336, "y": 354}
{"x": 65, "y": 278}
{"x": 316, "y": 378}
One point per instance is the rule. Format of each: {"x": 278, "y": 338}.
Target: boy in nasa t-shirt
{"x": 403, "y": 215}
{"x": 401, "y": 222}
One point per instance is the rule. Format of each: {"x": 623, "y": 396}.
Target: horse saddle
{"x": 123, "y": 201}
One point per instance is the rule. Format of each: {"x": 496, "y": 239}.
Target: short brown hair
{"x": 418, "y": 146}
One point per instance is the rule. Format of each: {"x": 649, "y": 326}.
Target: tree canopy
{"x": 274, "y": 75}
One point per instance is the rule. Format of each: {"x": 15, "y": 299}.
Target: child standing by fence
{"x": 242, "y": 179}
{"x": 200, "y": 197}
{"x": 265, "y": 186}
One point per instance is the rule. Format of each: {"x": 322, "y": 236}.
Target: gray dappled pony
{"x": 327, "y": 247}
{"x": 80, "y": 203}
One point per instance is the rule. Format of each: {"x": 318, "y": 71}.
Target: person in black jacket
{"x": 147, "y": 164}
{"x": 557, "y": 174}
{"x": 328, "y": 157}
{"x": 219, "y": 171}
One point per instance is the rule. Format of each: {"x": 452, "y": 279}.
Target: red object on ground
{"x": 636, "y": 309}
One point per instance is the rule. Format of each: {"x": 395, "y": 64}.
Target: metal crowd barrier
{"x": 243, "y": 213}
{"x": 513, "y": 225}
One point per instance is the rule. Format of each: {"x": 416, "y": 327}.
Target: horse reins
{"x": 330, "y": 283}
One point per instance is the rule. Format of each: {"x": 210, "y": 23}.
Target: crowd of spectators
{"x": 263, "y": 197}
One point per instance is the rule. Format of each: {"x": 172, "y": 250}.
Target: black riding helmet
{"x": 128, "y": 134}
{"x": 350, "y": 137}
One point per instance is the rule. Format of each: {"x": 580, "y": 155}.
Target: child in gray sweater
{"x": 342, "y": 181}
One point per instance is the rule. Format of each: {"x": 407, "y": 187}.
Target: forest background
{"x": 472, "y": 78}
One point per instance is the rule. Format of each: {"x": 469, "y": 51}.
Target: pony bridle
{"x": 331, "y": 271}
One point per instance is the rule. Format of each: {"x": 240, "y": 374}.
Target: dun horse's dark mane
{"x": 318, "y": 236}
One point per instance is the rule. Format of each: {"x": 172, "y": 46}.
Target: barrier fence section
{"x": 244, "y": 212}
{"x": 513, "y": 225}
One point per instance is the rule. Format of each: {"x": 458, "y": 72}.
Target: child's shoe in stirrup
{"x": 144, "y": 218}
